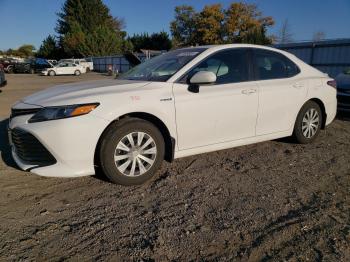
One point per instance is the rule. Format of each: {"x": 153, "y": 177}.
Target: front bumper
{"x": 44, "y": 73}
{"x": 72, "y": 142}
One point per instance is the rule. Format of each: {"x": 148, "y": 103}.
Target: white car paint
{"x": 65, "y": 68}
{"x": 218, "y": 117}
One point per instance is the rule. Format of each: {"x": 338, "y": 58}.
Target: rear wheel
{"x": 131, "y": 151}
{"x": 51, "y": 73}
{"x": 32, "y": 71}
{"x": 308, "y": 124}
{"x": 77, "y": 72}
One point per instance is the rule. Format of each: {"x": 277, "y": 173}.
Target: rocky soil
{"x": 273, "y": 201}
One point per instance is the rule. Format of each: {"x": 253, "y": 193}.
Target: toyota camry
{"x": 181, "y": 103}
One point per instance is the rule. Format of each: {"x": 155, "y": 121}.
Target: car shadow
{"x": 5, "y": 150}
{"x": 99, "y": 175}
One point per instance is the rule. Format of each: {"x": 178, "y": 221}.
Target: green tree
{"x": 156, "y": 41}
{"x": 161, "y": 41}
{"x": 25, "y": 51}
{"x": 49, "y": 48}
{"x": 140, "y": 41}
{"x": 86, "y": 28}
{"x": 184, "y": 26}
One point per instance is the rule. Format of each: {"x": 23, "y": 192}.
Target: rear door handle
{"x": 249, "y": 91}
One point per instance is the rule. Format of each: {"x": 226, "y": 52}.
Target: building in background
{"x": 329, "y": 56}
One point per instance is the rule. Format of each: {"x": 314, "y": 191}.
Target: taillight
{"x": 332, "y": 83}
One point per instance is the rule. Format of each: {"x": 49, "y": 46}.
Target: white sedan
{"x": 64, "y": 68}
{"x": 185, "y": 102}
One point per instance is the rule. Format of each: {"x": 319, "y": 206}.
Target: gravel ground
{"x": 274, "y": 201}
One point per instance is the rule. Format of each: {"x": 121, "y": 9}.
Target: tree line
{"x": 87, "y": 28}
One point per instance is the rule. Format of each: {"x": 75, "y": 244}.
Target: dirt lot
{"x": 270, "y": 201}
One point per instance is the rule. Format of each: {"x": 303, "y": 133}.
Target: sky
{"x": 29, "y": 22}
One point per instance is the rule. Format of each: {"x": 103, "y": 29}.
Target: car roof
{"x": 227, "y": 46}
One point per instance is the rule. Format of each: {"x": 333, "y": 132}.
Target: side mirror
{"x": 203, "y": 78}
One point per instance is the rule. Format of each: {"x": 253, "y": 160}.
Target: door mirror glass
{"x": 203, "y": 77}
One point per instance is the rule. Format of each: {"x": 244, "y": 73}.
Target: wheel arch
{"x": 168, "y": 139}
{"x": 322, "y": 107}
{"x": 323, "y": 110}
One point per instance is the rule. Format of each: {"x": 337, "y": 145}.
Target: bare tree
{"x": 285, "y": 35}
{"x": 318, "y": 36}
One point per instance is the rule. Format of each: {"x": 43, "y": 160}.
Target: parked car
{"x": 64, "y": 68}
{"x": 3, "y": 81}
{"x": 88, "y": 65}
{"x": 8, "y": 65}
{"x": 181, "y": 103}
{"x": 343, "y": 94}
{"x": 31, "y": 66}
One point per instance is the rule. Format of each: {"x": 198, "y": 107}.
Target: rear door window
{"x": 273, "y": 65}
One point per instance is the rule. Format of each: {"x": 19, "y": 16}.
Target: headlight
{"x": 60, "y": 112}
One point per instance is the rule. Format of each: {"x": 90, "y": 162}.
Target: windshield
{"x": 162, "y": 67}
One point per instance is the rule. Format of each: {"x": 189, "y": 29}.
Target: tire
{"x": 88, "y": 70}
{"x": 131, "y": 168}
{"x": 77, "y": 73}
{"x": 308, "y": 124}
{"x": 51, "y": 73}
{"x": 32, "y": 71}
{"x": 10, "y": 69}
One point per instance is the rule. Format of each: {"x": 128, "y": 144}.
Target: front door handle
{"x": 249, "y": 91}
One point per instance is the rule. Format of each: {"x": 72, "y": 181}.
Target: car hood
{"x": 83, "y": 92}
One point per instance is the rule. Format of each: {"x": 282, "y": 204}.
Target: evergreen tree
{"x": 156, "y": 41}
{"x": 86, "y": 28}
{"x": 49, "y": 49}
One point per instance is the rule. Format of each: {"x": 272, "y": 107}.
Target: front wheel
{"x": 308, "y": 124}
{"x": 77, "y": 73}
{"x": 51, "y": 73}
{"x": 131, "y": 151}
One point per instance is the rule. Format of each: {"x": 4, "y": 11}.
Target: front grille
{"x": 22, "y": 112}
{"x": 30, "y": 150}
